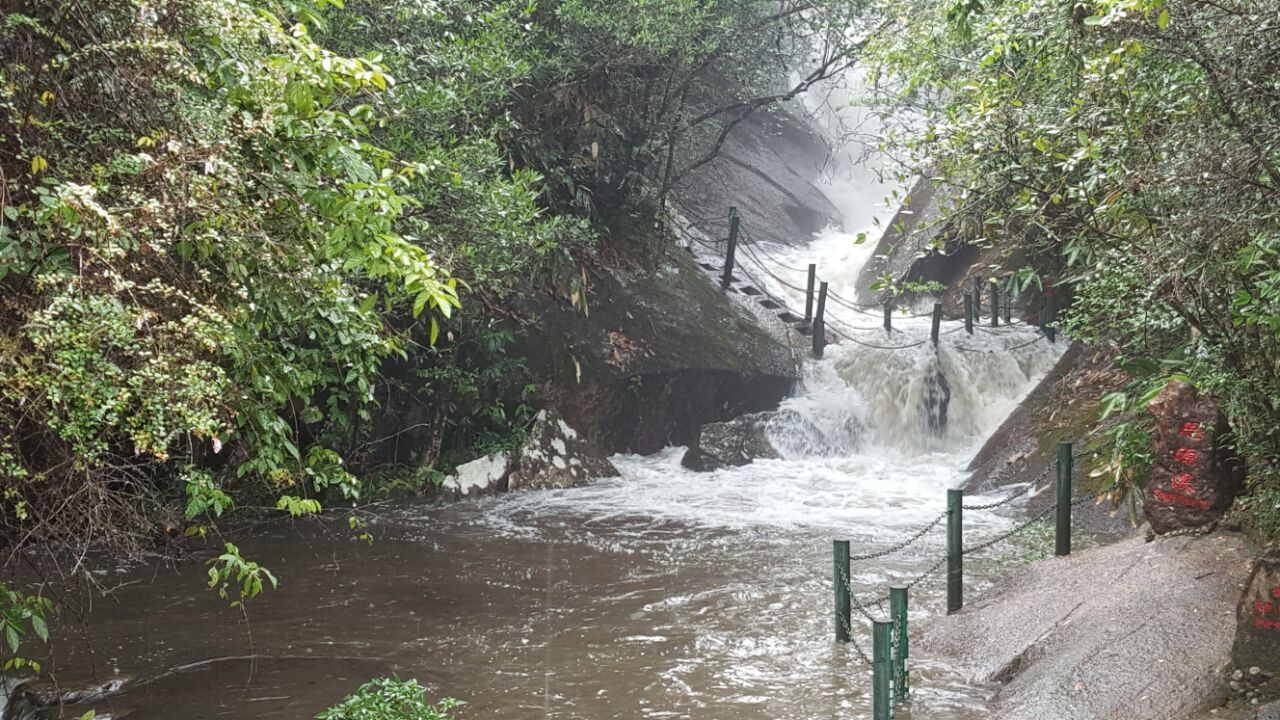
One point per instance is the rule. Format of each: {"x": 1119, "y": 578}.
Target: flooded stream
{"x": 660, "y": 594}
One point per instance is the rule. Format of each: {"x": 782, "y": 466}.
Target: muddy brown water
{"x": 660, "y": 594}
{"x": 556, "y": 617}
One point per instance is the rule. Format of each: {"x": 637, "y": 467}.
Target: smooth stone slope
{"x": 1130, "y": 631}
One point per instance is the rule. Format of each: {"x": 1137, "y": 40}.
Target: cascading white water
{"x": 720, "y": 606}
{"x": 737, "y": 622}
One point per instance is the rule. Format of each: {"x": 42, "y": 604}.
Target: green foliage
{"x": 462, "y": 65}
{"x": 1125, "y": 435}
{"x": 389, "y": 699}
{"x": 1128, "y": 147}
{"x": 1034, "y": 543}
{"x": 207, "y": 259}
{"x": 396, "y": 479}
{"x": 231, "y": 573}
{"x": 19, "y": 614}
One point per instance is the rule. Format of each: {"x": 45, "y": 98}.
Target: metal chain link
{"x": 1029, "y": 343}
{"x": 1010, "y": 533}
{"x": 1040, "y": 516}
{"x": 854, "y": 642}
{"x": 895, "y": 548}
{"x": 1011, "y": 498}
{"x": 919, "y": 579}
{"x": 858, "y": 604}
{"x": 996, "y": 504}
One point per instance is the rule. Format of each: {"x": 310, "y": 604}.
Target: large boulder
{"x": 1257, "y": 641}
{"x": 730, "y": 444}
{"x": 553, "y": 455}
{"x": 1195, "y": 478}
{"x": 556, "y": 456}
{"x": 1132, "y": 630}
{"x": 482, "y": 476}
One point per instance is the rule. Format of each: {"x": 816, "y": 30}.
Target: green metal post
{"x": 844, "y": 608}
{"x": 898, "y": 611}
{"x": 734, "y": 220}
{"x": 820, "y": 322}
{"x": 937, "y": 323}
{"x": 995, "y": 304}
{"x": 881, "y": 670}
{"x": 1051, "y": 328}
{"x": 968, "y": 314}
{"x": 1008, "y": 300}
{"x": 808, "y": 295}
{"x": 955, "y": 550}
{"x": 1062, "y": 544}
{"x": 888, "y": 318}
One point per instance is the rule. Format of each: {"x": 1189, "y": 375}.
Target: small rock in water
{"x": 1255, "y": 670}
{"x": 1237, "y": 675}
{"x": 1234, "y": 685}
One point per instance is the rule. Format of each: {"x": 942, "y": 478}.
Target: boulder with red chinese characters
{"x": 1258, "y": 619}
{"x": 1195, "y": 478}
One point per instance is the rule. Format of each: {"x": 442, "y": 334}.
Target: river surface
{"x": 660, "y": 594}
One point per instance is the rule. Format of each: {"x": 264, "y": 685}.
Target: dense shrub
{"x": 1131, "y": 147}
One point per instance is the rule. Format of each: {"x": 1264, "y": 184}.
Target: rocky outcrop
{"x": 768, "y": 169}
{"x": 922, "y": 244}
{"x": 1257, "y": 641}
{"x": 937, "y": 401}
{"x": 482, "y": 476}
{"x": 1063, "y": 406}
{"x": 29, "y": 697}
{"x": 1194, "y": 478}
{"x": 908, "y": 246}
{"x": 1133, "y": 630}
{"x": 553, "y": 455}
{"x": 733, "y": 443}
{"x": 652, "y": 357}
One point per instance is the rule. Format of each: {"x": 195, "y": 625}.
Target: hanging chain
{"x": 920, "y": 578}
{"x": 1012, "y": 497}
{"x": 1010, "y": 533}
{"x": 895, "y": 548}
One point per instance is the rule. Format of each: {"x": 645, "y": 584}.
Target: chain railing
{"x": 889, "y": 654}
{"x": 890, "y": 645}
{"x": 819, "y": 294}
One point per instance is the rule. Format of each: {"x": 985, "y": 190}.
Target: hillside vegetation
{"x": 221, "y": 220}
{"x": 1132, "y": 148}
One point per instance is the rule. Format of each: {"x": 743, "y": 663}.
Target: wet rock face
{"x": 556, "y": 456}
{"x": 660, "y": 355}
{"x": 1194, "y": 478}
{"x": 730, "y": 444}
{"x": 483, "y": 476}
{"x": 937, "y": 400}
{"x": 768, "y": 168}
{"x": 1257, "y": 642}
